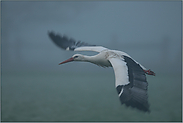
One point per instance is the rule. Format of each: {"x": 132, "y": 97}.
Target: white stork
{"x": 130, "y": 78}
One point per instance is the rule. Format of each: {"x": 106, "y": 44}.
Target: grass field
{"x": 40, "y": 96}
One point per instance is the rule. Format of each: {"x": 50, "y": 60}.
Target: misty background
{"x": 150, "y": 32}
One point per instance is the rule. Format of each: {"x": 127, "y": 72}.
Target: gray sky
{"x": 148, "y": 31}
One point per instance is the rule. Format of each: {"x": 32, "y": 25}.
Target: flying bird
{"x": 130, "y": 79}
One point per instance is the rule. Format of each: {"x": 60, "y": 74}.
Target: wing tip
{"x": 139, "y": 106}
{"x": 134, "y": 97}
{"x": 52, "y": 35}
{"x": 50, "y": 32}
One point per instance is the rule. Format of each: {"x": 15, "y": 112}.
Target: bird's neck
{"x": 91, "y": 59}
{"x": 96, "y": 59}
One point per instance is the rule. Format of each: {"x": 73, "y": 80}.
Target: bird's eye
{"x": 75, "y": 57}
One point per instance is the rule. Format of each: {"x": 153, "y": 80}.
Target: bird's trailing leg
{"x": 149, "y": 72}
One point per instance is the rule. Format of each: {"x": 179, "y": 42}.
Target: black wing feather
{"x": 135, "y": 93}
{"x": 65, "y": 43}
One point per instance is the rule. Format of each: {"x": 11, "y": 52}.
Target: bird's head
{"x": 76, "y": 57}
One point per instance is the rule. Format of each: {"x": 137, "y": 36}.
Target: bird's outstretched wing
{"x": 130, "y": 83}
{"x": 70, "y": 44}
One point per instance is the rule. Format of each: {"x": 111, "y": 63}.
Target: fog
{"x": 150, "y": 32}
{"x": 35, "y": 88}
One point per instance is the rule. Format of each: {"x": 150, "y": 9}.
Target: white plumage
{"x": 130, "y": 79}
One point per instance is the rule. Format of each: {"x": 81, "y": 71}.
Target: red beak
{"x": 68, "y": 60}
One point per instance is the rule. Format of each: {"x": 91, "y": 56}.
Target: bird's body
{"x": 130, "y": 79}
